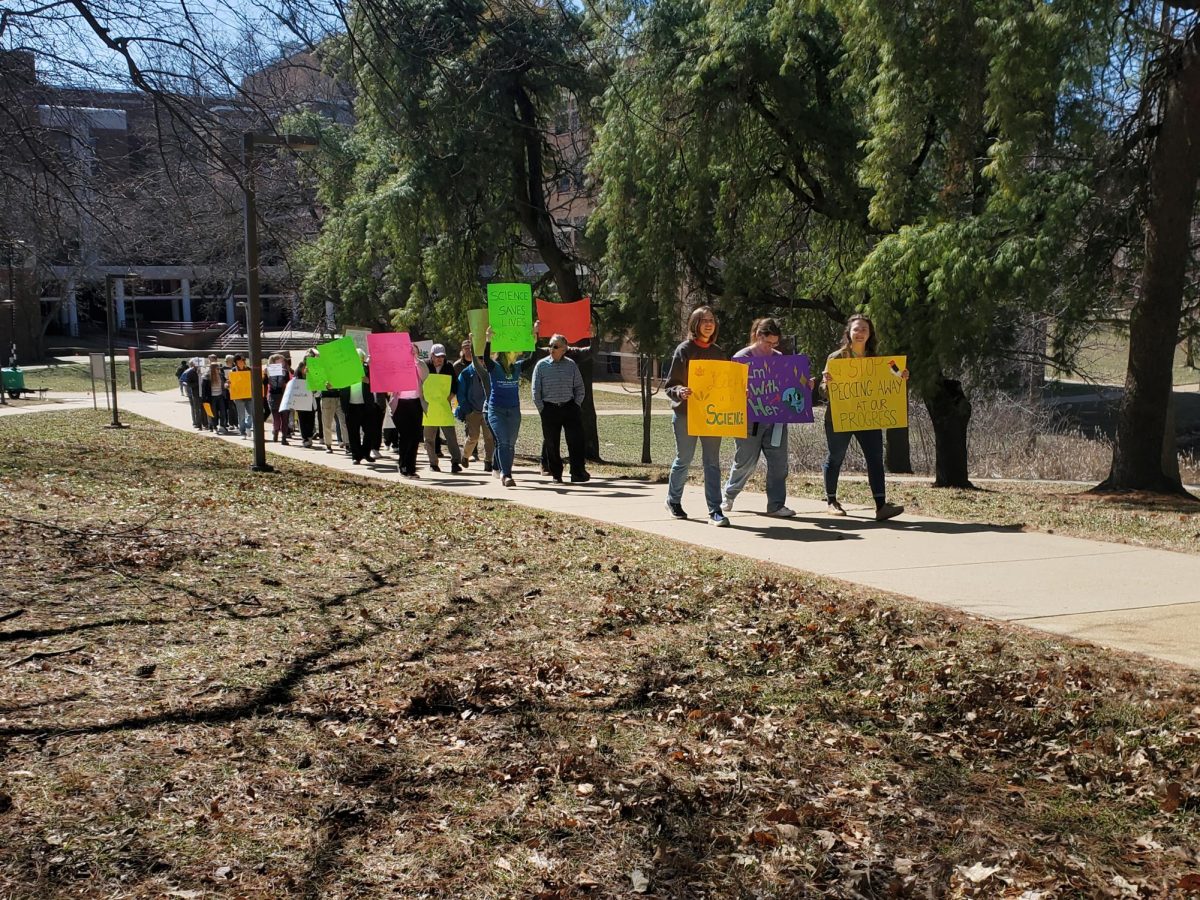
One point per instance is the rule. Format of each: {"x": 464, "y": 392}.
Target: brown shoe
{"x": 835, "y": 508}
{"x": 887, "y": 511}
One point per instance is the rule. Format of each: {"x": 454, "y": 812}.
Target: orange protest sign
{"x": 717, "y": 405}
{"x": 572, "y": 320}
{"x": 239, "y": 384}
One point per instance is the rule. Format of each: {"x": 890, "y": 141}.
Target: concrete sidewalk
{"x": 1141, "y": 600}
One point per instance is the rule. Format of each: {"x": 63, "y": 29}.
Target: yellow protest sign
{"x": 717, "y": 405}
{"x": 239, "y": 385}
{"x": 436, "y": 391}
{"x": 868, "y": 393}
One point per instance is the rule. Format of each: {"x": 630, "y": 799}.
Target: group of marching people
{"x": 768, "y": 441}
{"x": 363, "y": 422}
{"x": 488, "y": 394}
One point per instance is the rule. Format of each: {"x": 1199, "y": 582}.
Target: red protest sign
{"x": 572, "y": 320}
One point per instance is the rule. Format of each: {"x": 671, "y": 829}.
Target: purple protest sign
{"x": 392, "y": 365}
{"x": 779, "y": 389}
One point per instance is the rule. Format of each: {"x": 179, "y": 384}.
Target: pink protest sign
{"x": 392, "y": 364}
{"x": 572, "y": 320}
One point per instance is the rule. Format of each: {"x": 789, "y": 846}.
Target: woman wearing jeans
{"x": 768, "y": 441}
{"x": 701, "y": 343}
{"x": 245, "y": 406}
{"x": 503, "y": 408}
{"x": 858, "y": 341}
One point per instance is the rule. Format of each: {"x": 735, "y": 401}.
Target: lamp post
{"x": 112, "y": 353}
{"x": 11, "y": 257}
{"x": 13, "y": 303}
{"x": 253, "y": 301}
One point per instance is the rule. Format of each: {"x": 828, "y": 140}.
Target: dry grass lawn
{"x": 222, "y": 684}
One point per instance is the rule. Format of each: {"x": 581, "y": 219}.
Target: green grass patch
{"x": 157, "y": 375}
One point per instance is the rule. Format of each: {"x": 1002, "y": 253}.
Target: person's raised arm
{"x": 487, "y": 347}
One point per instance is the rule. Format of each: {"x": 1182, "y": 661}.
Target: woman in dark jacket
{"x": 276, "y": 380}
{"x": 701, "y": 343}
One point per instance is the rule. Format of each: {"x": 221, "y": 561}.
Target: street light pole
{"x": 253, "y": 299}
{"x": 112, "y": 353}
{"x": 10, "y": 257}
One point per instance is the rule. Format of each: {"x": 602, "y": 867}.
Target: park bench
{"x": 18, "y": 393}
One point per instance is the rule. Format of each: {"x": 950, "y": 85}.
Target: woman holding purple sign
{"x": 769, "y": 441}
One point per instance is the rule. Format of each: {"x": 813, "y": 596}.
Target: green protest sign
{"x": 477, "y": 319}
{"x": 315, "y": 374}
{"x": 510, "y": 313}
{"x": 340, "y": 362}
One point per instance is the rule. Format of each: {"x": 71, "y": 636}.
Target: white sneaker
{"x": 782, "y": 513}
{"x": 727, "y": 505}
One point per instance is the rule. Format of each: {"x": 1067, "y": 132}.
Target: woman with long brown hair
{"x": 701, "y": 343}
{"x": 858, "y": 341}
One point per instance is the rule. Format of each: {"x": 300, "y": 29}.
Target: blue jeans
{"x": 871, "y": 443}
{"x": 685, "y": 449}
{"x": 505, "y": 422}
{"x": 745, "y": 461}
{"x": 244, "y": 415}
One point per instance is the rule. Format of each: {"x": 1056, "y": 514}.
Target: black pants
{"x": 407, "y": 419}
{"x": 557, "y": 418}
{"x": 373, "y": 428}
{"x": 308, "y": 422}
{"x": 358, "y": 424}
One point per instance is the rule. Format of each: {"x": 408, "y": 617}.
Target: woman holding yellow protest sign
{"x": 858, "y": 343}
{"x": 701, "y": 343}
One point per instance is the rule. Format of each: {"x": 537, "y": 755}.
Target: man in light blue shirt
{"x": 558, "y": 395}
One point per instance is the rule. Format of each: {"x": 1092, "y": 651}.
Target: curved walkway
{"x": 1141, "y": 600}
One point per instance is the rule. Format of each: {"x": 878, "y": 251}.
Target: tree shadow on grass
{"x": 29, "y": 634}
{"x": 273, "y": 695}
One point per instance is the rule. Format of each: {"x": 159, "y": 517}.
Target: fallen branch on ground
{"x": 44, "y": 654}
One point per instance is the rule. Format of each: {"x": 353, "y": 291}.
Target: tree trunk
{"x": 897, "y": 452}
{"x": 591, "y": 433}
{"x": 950, "y": 412}
{"x": 645, "y": 373}
{"x": 1138, "y": 452}
{"x": 529, "y": 204}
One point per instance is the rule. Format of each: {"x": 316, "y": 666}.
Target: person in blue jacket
{"x": 473, "y": 387}
{"x": 504, "y": 405}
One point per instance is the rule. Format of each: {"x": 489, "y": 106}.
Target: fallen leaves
{"x": 431, "y": 709}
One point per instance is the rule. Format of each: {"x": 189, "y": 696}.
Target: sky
{"x": 213, "y": 42}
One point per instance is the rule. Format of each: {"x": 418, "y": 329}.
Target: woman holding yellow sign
{"x": 701, "y": 344}
{"x": 858, "y": 343}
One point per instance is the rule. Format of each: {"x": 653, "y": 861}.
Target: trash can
{"x": 14, "y": 382}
